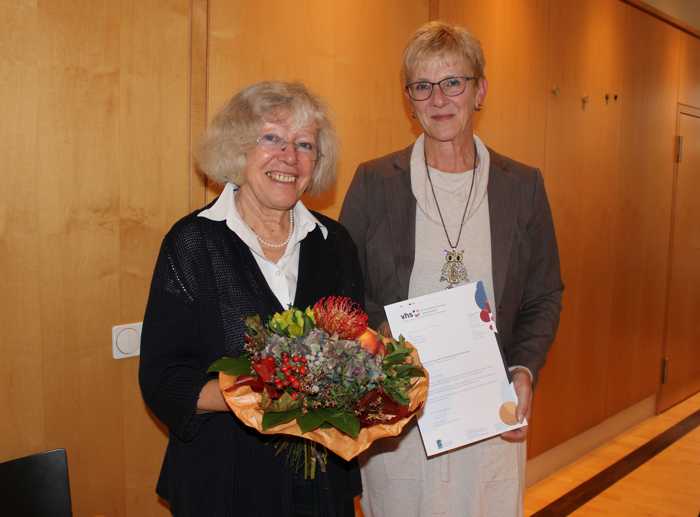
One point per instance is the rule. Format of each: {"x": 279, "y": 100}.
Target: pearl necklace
{"x": 282, "y": 244}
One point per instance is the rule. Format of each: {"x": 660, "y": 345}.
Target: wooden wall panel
{"x": 513, "y": 34}
{"x": 78, "y": 203}
{"x": 21, "y": 379}
{"x": 349, "y": 52}
{"x": 689, "y": 89}
{"x": 154, "y": 191}
{"x": 641, "y": 221}
{"x": 98, "y": 149}
{"x": 581, "y": 163}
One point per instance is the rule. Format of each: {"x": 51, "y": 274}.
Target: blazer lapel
{"x": 401, "y": 214}
{"x": 502, "y": 215}
{"x": 311, "y": 269}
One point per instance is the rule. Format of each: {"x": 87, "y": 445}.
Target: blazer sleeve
{"x": 538, "y": 316}
{"x": 171, "y": 373}
{"x": 355, "y": 216}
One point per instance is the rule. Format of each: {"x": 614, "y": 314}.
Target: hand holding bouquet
{"x": 322, "y": 374}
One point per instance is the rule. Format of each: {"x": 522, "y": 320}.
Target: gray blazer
{"x": 379, "y": 211}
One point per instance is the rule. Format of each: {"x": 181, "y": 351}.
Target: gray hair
{"x": 439, "y": 39}
{"x": 222, "y": 151}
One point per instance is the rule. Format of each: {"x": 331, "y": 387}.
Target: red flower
{"x": 255, "y": 383}
{"x": 376, "y": 407}
{"x": 341, "y": 316}
{"x": 265, "y": 368}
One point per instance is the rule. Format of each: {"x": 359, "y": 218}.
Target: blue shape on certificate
{"x": 480, "y": 295}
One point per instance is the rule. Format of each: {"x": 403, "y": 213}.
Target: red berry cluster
{"x": 288, "y": 375}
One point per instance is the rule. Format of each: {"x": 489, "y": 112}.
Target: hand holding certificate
{"x": 470, "y": 397}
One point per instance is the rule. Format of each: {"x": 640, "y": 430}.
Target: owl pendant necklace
{"x": 454, "y": 272}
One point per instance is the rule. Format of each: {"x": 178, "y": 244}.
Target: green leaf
{"x": 408, "y": 370}
{"x": 309, "y": 323}
{"x": 311, "y": 420}
{"x": 398, "y": 395}
{"x": 272, "y": 419}
{"x": 397, "y": 357}
{"x": 231, "y": 366}
{"x": 389, "y": 348}
{"x": 345, "y": 422}
{"x": 282, "y": 404}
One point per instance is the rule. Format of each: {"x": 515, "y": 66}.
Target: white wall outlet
{"x": 126, "y": 340}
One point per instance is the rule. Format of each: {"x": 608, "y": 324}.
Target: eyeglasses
{"x": 450, "y": 86}
{"x": 275, "y": 142}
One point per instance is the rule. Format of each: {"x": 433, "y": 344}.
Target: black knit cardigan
{"x": 205, "y": 281}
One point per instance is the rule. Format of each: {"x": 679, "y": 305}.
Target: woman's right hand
{"x": 211, "y": 398}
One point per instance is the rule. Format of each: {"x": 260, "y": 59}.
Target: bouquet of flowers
{"x": 323, "y": 375}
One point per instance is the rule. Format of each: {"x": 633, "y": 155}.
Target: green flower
{"x": 292, "y": 322}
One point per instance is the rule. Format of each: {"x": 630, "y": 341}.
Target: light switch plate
{"x": 126, "y": 340}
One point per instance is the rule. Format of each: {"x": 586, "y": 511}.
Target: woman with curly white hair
{"x": 255, "y": 250}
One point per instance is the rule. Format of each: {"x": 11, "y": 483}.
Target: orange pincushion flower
{"x": 340, "y": 315}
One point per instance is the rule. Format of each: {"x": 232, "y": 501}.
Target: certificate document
{"x": 469, "y": 398}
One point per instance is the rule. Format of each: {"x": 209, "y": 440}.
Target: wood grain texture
{"x": 348, "y": 52}
{"x": 513, "y": 34}
{"x": 605, "y": 479}
{"x": 665, "y": 486}
{"x": 199, "y": 54}
{"x": 581, "y": 168}
{"x": 98, "y": 91}
{"x": 642, "y": 209}
{"x": 689, "y": 88}
{"x": 154, "y": 191}
{"x": 666, "y": 17}
{"x": 21, "y": 375}
{"x": 682, "y": 346}
{"x": 78, "y": 162}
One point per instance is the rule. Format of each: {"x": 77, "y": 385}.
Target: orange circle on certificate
{"x": 507, "y": 413}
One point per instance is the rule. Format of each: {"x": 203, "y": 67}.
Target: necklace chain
{"x": 282, "y": 244}
{"x": 469, "y": 196}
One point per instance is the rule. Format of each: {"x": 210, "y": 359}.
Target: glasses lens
{"x": 452, "y": 86}
{"x": 420, "y": 91}
{"x": 277, "y": 143}
{"x": 307, "y": 148}
{"x": 272, "y": 140}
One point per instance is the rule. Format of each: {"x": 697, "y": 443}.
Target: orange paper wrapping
{"x": 245, "y": 403}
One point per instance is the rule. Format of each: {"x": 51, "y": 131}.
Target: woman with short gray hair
{"x": 445, "y": 211}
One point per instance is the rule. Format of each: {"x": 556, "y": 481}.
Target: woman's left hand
{"x": 523, "y": 389}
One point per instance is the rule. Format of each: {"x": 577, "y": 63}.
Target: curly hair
{"x": 222, "y": 151}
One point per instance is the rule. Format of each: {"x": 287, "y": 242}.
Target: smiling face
{"x": 443, "y": 118}
{"x": 275, "y": 179}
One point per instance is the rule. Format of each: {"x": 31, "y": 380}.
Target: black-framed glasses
{"x": 450, "y": 86}
{"x": 275, "y": 142}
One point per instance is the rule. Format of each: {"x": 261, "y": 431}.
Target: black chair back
{"x": 36, "y": 485}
